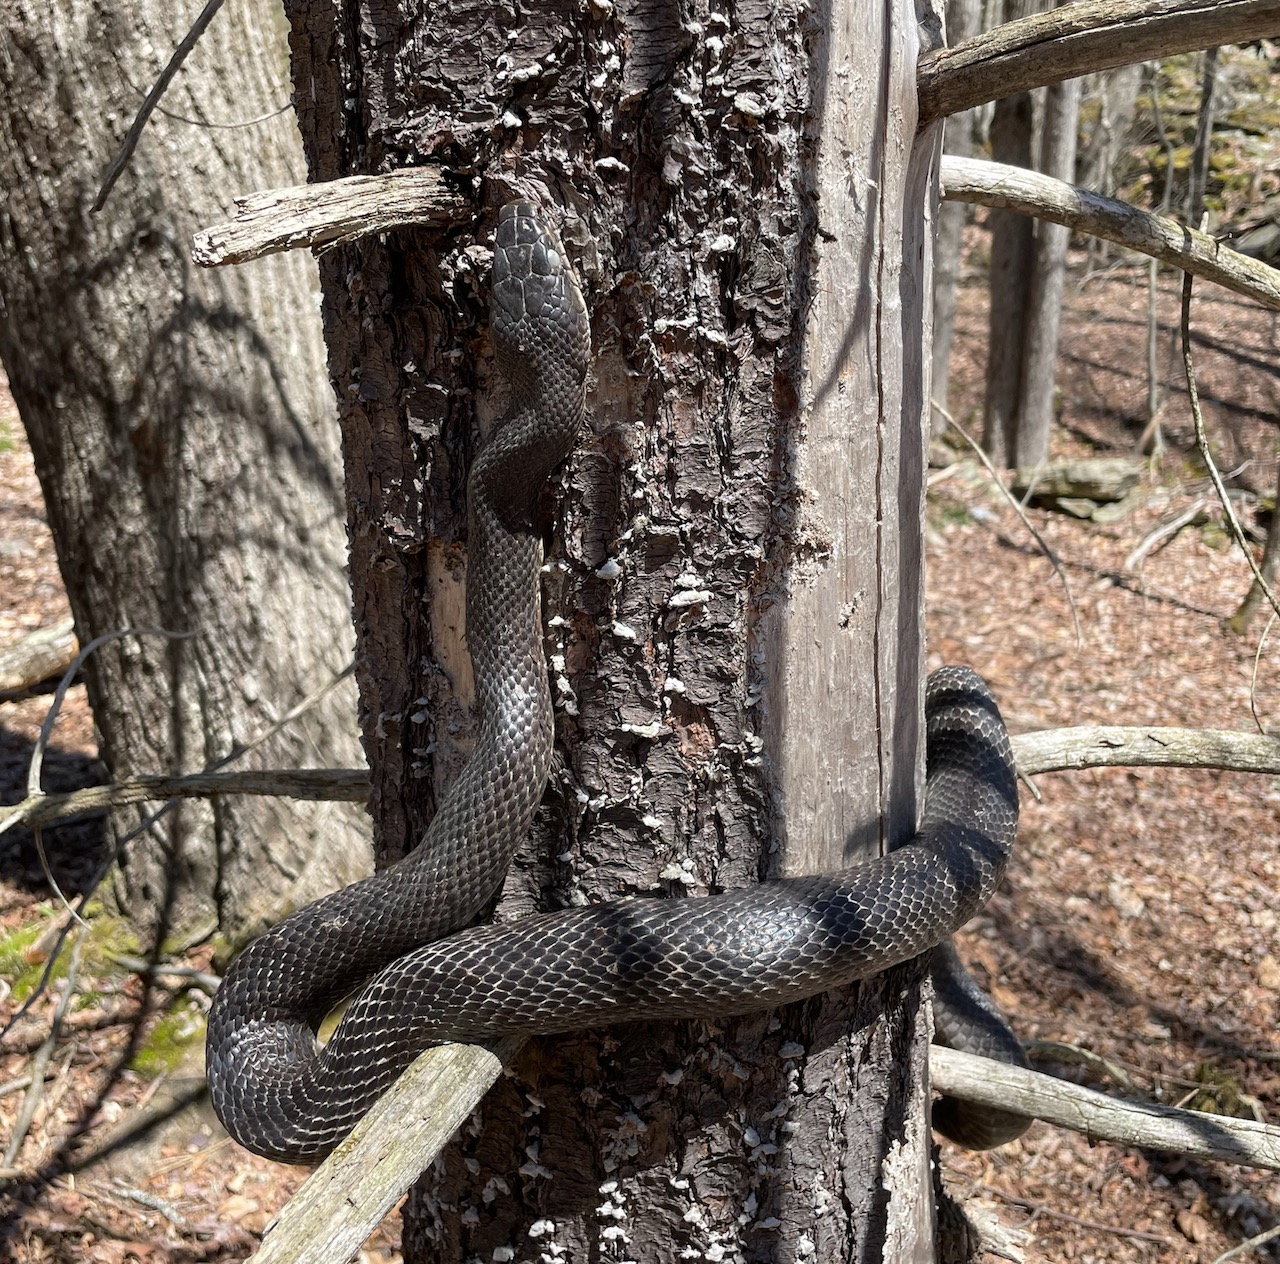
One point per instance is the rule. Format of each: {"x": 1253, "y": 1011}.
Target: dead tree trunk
{"x": 182, "y": 431}
{"x": 734, "y": 591}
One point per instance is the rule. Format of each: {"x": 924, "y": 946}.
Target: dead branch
{"x": 1258, "y": 1239}
{"x": 202, "y": 979}
{"x": 1050, "y": 750}
{"x": 324, "y": 214}
{"x": 345, "y": 1198}
{"x": 1103, "y": 1118}
{"x": 348, "y": 785}
{"x": 329, "y": 1218}
{"x": 43, "y": 653}
{"x": 1115, "y": 746}
{"x": 1029, "y": 192}
{"x": 1078, "y": 39}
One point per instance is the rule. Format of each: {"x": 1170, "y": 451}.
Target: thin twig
{"x": 51, "y": 716}
{"x": 228, "y": 127}
{"x": 37, "y": 832}
{"x": 121, "y": 160}
{"x": 1017, "y": 508}
{"x": 1042, "y": 1209}
{"x": 1253, "y": 679}
{"x": 40, "y": 1063}
{"x": 35, "y": 768}
{"x": 1202, "y": 446}
{"x": 1260, "y": 1239}
{"x": 86, "y": 895}
{"x": 201, "y": 978}
{"x": 35, "y": 792}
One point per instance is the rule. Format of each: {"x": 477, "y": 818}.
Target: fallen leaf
{"x": 237, "y": 1207}
{"x": 1194, "y": 1228}
{"x": 1269, "y": 973}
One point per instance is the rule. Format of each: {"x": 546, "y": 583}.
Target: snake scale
{"x": 399, "y": 931}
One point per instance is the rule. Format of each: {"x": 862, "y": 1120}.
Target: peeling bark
{"x": 734, "y": 598}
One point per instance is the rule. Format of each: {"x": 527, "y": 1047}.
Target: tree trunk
{"x": 1116, "y": 92}
{"x": 964, "y": 20}
{"x": 734, "y": 601}
{"x": 1017, "y": 124}
{"x": 183, "y": 436}
{"x": 1037, "y": 386}
{"x": 1012, "y": 258}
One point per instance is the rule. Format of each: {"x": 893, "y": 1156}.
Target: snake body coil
{"x": 281, "y": 1095}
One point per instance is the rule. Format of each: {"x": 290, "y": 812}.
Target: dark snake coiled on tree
{"x": 281, "y": 1095}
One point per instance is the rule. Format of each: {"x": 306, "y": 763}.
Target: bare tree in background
{"x": 1028, "y": 265}
{"x": 183, "y": 433}
{"x": 964, "y": 20}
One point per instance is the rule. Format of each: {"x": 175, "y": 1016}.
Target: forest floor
{"x": 1139, "y": 919}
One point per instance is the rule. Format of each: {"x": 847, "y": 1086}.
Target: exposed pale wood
{"x": 1081, "y": 38}
{"x": 350, "y": 785}
{"x": 1103, "y": 1118}
{"x": 335, "y": 211}
{"x": 344, "y": 1199}
{"x": 1104, "y": 746}
{"x": 994, "y": 184}
{"x": 41, "y": 654}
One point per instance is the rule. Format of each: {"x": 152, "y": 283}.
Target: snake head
{"x": 539, "y": 323}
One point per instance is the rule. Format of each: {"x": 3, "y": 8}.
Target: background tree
{"x": 1028, "y": 262}
{"x": 964, "y": 20}
{"x": 182, "y": 432}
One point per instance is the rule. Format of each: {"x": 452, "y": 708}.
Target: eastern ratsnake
{"x": 281, "y": 1095}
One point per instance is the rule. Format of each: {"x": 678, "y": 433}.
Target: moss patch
{"x": 24, "y": 958}
{"x": 165, "y": 1045}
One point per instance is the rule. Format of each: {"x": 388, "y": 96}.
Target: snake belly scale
{"x": 399, "y": 931}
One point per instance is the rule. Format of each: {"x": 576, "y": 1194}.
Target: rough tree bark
{"x": 734, "y": 596}
{"x": 183, "y": 434}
